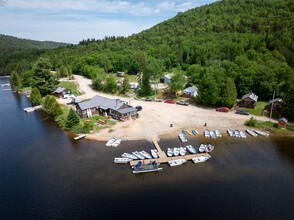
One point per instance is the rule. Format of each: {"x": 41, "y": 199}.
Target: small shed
{"x": 191, "y": 91}
{"x": 249, "y": 100}
{"x": 61, "y": 91}
{"x": 120, "y": 73}
{"x": 282, "y": 123}
{"x": 167, "y": 78}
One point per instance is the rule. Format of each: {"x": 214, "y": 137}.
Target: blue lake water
{"x": 44, "y": 174}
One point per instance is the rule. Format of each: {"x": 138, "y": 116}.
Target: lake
{"x": 45, "y": 174}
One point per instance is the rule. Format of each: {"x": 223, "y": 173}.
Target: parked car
{"x": 242, "y": 112}
{"x": 170, "y": 101}
{"x": 139, "y": 108}
{"x": 148, "y": 100}
{"x": 182, "y": 102}
{"x": 222, "y": 109}
{"x": 158, "y": 100}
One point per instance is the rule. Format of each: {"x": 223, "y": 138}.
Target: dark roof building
{"x": 249, "y": 100}
{"x": 61, "y": 91}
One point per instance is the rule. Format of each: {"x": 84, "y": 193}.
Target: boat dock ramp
{"x": 163, "y": 158}
{"x": 34, "y": 108}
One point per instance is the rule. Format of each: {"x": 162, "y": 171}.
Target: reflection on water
{"x": 46, "y": 175}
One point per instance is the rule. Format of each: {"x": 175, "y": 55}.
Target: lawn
{"x": 258, "y": 108}
{"x": 72, "y": 86}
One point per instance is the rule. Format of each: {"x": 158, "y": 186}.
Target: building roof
{"x": 169, "y": 76}
{"x": 102, "y": 102}
{"x": 191, "y": 89}
{"x": 276, "y": 100}
{"x": 250, "y": 95}
{"x": 59, "y": 89}
{"x": 283, "y": 119}
{"x": 126, "y": 110}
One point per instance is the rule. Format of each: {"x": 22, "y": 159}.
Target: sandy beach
{"x": 156, "y": 117}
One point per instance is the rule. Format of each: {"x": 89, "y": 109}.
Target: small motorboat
{"x": 207, "y": 133}
{"x": 212, "y": 134}
{"x": 261, "y": 133}
{"x": 194, "y": 132}
{"x": 191, "y": 149}
{"x": 237, "y": 134}
{"x": 209, "y": 148}
{"x": 242, "y": 134}
{"x": 252, "y": 133}
{"x": 183, "y": 138}
{"x": 137, "y": 154}
{"x": 183, "y": 151}
{"x": 202, "y": 148}
{"x": 110, "y": 142}
{"x": 177, "y": 162}
{"x": 121, "y": 160}
{"x": 169, "y": 152}
{"x": 145, "y": 154}
{"x": 116, "y": 142}
{"x": 176, "y": 151}
{"x": 184, "y": 132}
{"x": 130, "y": 156}
{"x": 79, "y": 137}
{"x": 200, "y": 159}
{"x": 154, "y": 153}
{"x": 231, "y": 132}
{"x": 218, "y": 133}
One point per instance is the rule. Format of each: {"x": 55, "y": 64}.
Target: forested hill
{"x": 10, "y": 44}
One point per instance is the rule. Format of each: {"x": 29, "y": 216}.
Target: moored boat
{"x": 252, "y": 133}
{"x": 200, "y": 159}
{"x": 242, "y": 134}
{"x": 145, "y": 168}
{"x": 237, "y": 134}
{"x": 230, "y": 132}
{"x": 145, "y": 154}
{"x": 177, "y": 162}
{"x": 110, "y": 142}
{"x": 202, "y": 148}
{"x": 207, "y": 133}
{"x": 209, "y": 148}
{"x": 121, "y": 160}
{"x": 212, "y": 134}
{"x": 169, "y": 152}
{"x": 183, "y": 151}
{"x": 191, "y": 149}
{"x": 154, "y": 153}
{"x": 130, "y": 156}
{"x": 218, "y": 133}
{"x": 116, "y": 142}
{"x": 261, "y": 133}
{"x": 137, "y": 154}
{"x": 183, "y": 138}
{"x": 79, "y": 137}
{"x": 176, "y": 151}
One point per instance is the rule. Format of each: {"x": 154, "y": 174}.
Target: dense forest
{"x": 229, "y": 45}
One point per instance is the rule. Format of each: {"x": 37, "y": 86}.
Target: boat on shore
{"x": 201, "y": 158}
{"x": 183, "y": 138}
{"x": 184, "y": 132}
{"x": 110, "y": 142}
{"x": 79, "y": 137}
{"x": 191, "y": 149}
{"x": 237, "y": 134}
{"x": 122, "y": 160}
{"x": 252, "y": 133}
{"x": 116, "y": 142}
{"x": 140, "y": 167}
{"x": 218, "y": 133}
{"x": 130, "y": 156}
{"x": 231, "y": 132}
{"x": 209, "y": 148}
{"x": 212, "y": 134}
{"x": 176, "y": 151}
{"x": 145, "y": 154}
{"x": 169, "y": 152}
{"x": 189, "y": 132}
{"x": 154, "y": 153}
{"x": 177, "y": 162}
{"x": 194, "y": 132}
{"x": 261, "y": 133}
{"x": 242, "y": 134}
{"x": 207, "y": 133}
{"x": 202, "y": 148}
{"x": 183, "y": 151}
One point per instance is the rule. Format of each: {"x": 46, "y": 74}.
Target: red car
{"x": 222, "y": 109}
{"x": 170, "y": 101}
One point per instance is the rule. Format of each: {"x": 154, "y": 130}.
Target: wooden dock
{"x": 31, "y": 109}
{"x": 163, "y": 158}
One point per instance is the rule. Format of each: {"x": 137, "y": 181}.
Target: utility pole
{"x": 272, "y": 106}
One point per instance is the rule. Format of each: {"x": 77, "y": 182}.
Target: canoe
{"x": 110, "y": 142}
{"x": 116, "y": 142}
{"x": 201, "y": 158}
{"x": 121, "y": 160}
{"x": 79, "y": 137}
{"x": 184, "y": 131}
{"x": 189, "y": 132}
{"x": 177, "y": 162}
{"x": 194, "y": 132}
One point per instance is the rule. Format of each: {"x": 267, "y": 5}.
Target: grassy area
{"x": 72, "y": 86}
{"x": 258, "y": 108}
{"x": 96, "y": 126}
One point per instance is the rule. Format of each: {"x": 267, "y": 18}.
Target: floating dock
{"x": 163, "y": 158}
{"x": 31, "y": 109}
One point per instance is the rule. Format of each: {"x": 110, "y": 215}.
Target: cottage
{"x": 191, "y": 91}
{"x": 277, "y": 105}
{"x": 99, "y": 105}
{"x": 120, "y": 73}
{"x": 167, "y": 78}
{"x": 249, "y": 100}
{"x": 282, "y": 123}
{"x": 61, "y": 91}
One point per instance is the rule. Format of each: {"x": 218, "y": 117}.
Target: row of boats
{"x": 136, "y": 155}
{"x": 176, "y": 151}
{"x": 192, "y": 132}
{"x": 113, "y": 142}
{"x": 242, "y": 134}
{"x": 212, "y": 133}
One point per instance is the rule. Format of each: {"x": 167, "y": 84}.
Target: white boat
{"x": 183, "y": 138}
{"x": 79, "y": 137}
{"x": 218, "y": 133}
{"x": 145, "y": 168}
{"x": 116, "y": 142}
{"x": 202, "y": 148}
{"x": 207, "y": 133}
{"x": 201, "y": 158}
{"x": 261, "y": 133}
{"x": 237, "y": 134}
{"x": 130, "y": 156}
{"x": 176, "y": 151}
{"x": 154, "y": 153}
{"x": 145, "y": 154}
{"x": 212, "y": 134}
{"x": 252, "y": 133}
{"x": 121, "y": 160}
{"x": 242, "y": 134}
{"x": 191, "y": 149}
{"x": 170, "y": 152}
{"x": 183, "y": 151}
{"x": 177, "y": 162}
{"x": 110, "y": 142}
{"x": 137, "y": 154}
{"x": 230, "y": 132}
{"x": 209, "y": 148}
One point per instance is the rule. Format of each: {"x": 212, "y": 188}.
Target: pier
{"x": 31, "y": 109}
{"x": 163, "y": 158}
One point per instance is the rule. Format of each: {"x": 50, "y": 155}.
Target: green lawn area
{"x": 72, "y": 86}
{"x": 258, "y": 108}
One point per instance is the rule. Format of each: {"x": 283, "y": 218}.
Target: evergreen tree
{"x": 208, "y": 90}
{"x": 145, "y": 87}
{"x": 230, "y": 93}
{"x": 35, "y": 96}
{"x": 72, "y": 119}
{"x": 288, "y": 104}
{"x": 51, "y": 106}
{"x": 43, "y": 79}
{"x": 15, "y": 81}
